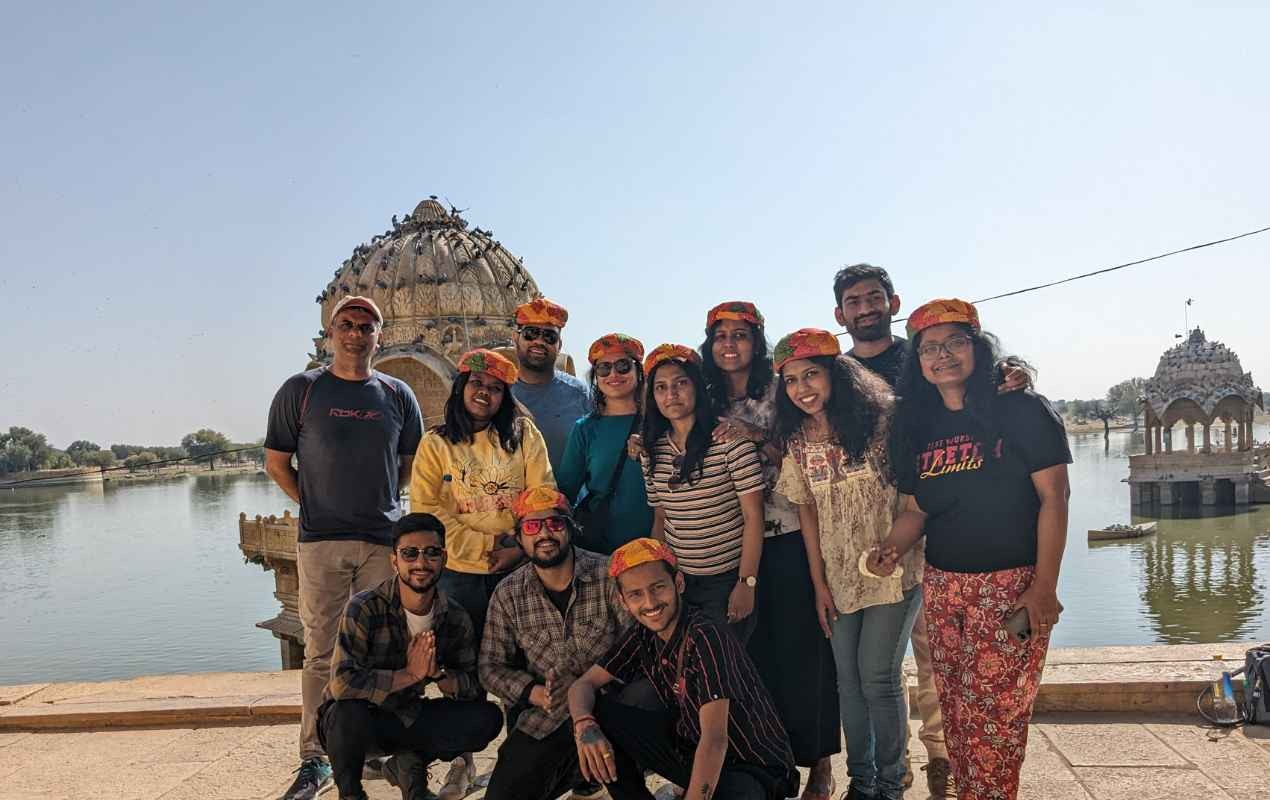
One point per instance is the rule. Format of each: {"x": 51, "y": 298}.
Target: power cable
{"x": 1105, "y": 270}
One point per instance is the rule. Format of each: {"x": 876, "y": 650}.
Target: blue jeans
{"x": 868, "y": 649}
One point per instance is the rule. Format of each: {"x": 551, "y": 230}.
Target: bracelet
{"x": 584, "y": 718}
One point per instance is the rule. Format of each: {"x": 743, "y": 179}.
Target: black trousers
{"x": 644, "y": 739}
{"x": 445, "y": 729}
{"x": 711, "y": 593}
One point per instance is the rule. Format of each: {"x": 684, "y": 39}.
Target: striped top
{"x": 714, "y": 666}
{"x": 703, "y": 518}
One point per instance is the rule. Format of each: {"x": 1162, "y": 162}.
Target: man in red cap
{"x": 548, "y": 622}
{"x": 555, "y": 398}
{"x": 353, "y": 432}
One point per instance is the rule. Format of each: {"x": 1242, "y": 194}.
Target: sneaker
{"x": 459, "y": 781}
{"x": 312, "y": 778}
{"x": 410, "y": 774}
{"x": 939, "y": 778}
{"x": 854, "y": 792}
{"x": 589, "y": 791}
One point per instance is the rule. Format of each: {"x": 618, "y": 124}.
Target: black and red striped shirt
{"x": 715, "y": 667}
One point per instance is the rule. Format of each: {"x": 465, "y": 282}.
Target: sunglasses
{"x": 531, "y": 332}
{"x": 412, "y": 553}
{"x": 533, "y": 527}
{"x": 622, "y": 365}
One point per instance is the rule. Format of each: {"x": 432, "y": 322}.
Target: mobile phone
{"x": 1019, "y": 625}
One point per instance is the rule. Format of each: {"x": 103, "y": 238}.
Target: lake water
{"x": 124, "y": 580}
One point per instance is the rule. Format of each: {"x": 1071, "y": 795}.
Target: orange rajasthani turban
{"x": 639, "y": 551}
{"x": 937, "y": 312}
{"x": 491, "y": 363}
{"x": 616, "y": 345}
{"x": 541, "y": 311}
{"x": 539, "y": 498}
{"x": 670, "y": 352}
{"x": 805, "y": 343}
{"x": 734, "y": 309}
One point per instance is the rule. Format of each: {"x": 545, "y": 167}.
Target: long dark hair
{"x": 858, "y": 408}
{"x": 597, "y": 397}
{"x": 655, "y": 424}
{"x": 761, "y": 372}
{"x": 920, "y": 401}
{"x": 458, "y": 427}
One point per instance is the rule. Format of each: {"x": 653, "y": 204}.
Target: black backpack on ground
{"x": 1256, "y": 705}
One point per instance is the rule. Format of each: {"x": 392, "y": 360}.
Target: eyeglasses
{"x": 532, "y": 332}
{"x": 365, "y": 328}
{"x": 622, "y": 365}
{"x": 412, "y": 553}
{"x": 953, "y": 346}
{"x": 533, "y": 527}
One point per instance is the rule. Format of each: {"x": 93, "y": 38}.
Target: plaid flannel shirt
{"x": 522, "y": 620}
{"x": 372, "y": 644}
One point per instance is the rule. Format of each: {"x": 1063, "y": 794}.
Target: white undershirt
{"x": 418, "y": 623}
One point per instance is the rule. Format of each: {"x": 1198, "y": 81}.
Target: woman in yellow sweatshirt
{"x": 468, "y": 471}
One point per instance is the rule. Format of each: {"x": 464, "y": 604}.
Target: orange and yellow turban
{"x": 639, "y": 551}
{"x": 670, "y": 352}
{"x": 734, "y": 309}
{"x": 539, "y": 498}
{"x": 541, "y": 311}
{"x": 805, "y": 343}
{"x": 616, "y": 345}
{"x": 491, "y": 363}
{"x": 937, "y": 312}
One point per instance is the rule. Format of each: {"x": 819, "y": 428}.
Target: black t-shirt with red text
{"x": 978, "y": 495}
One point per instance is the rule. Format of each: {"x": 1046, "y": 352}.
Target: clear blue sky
{"x": 177, "y": 185}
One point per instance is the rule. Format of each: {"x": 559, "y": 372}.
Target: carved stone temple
{"x": 1201, "y": 391}
{"x": 444, "y": 288}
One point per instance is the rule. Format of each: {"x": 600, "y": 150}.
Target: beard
{"x": 547, "y": 562}
{"x": 535, "y": 361}
{"x": 422, "y": 584}
{"x": 670, "y": 617}
{"x": 871, "y": 332}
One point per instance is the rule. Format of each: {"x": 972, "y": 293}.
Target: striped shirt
{"x": 703, "y": 518}
{"x": 715, "y": 666}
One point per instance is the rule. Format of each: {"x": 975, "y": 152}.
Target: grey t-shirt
{"x": 556, "y": 406}
{"x": 347, "y": 436}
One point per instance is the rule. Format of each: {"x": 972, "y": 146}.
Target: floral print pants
{"x": 987, "y": 679}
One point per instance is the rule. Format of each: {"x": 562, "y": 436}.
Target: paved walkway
{"x": 1070, "y": 757}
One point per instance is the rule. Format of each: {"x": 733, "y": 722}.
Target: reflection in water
{"x": 1200, "y": 575}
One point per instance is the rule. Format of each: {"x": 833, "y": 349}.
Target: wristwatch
{"x": 750, "y": 581}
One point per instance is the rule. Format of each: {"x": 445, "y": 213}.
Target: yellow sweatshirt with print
{"x": 471, "y": 487}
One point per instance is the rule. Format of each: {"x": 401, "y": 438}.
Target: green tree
{"x": 79, "y": 448}
{"x": 136, "y": 461}
{"x": 100, "y": 459}
{"x": 22, "y": 449}
{"x": 59, "y": 460}
{"x": 203, "y": 444}
{"x": 1125, "y": 398}
{"x": 1099, "y": 410}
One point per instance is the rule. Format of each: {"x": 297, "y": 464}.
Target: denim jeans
{"x": 868, "y": 649}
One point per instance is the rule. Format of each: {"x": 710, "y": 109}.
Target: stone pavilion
{"x": 1198, "y": 385}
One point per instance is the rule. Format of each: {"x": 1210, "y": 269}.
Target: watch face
{"x": 751, "y": 581}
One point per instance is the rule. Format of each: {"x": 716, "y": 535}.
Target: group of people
{"x": 701, "y": 563}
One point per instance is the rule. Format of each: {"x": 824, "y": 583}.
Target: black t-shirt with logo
{"x": 347, "y": 436}
{"x": 978, "y": 495}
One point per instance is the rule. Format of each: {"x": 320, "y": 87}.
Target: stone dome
{"x": 1199, "y": 374}
{"x": 443, "y": 289}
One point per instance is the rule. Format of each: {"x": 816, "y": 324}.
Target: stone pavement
{"x": 1070, "y": 757}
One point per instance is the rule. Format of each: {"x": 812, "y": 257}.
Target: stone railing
{"x": 271, "y": 543}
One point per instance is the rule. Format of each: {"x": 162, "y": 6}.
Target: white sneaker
{"x": 459, "y": 781}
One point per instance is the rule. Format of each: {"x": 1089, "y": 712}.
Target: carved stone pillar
{"x": 1190, "y": 438}
{"x": 1159, "y": 438}
{"x": 1208, "y": 438}
{"x": 1149, "y": 439}
{"x": 1228, "y": 435}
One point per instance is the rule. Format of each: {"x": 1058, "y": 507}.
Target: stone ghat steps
{"x": 1152, "y": 679}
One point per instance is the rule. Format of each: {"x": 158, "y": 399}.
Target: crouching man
{"x": 721, "y": 736}
{"x": 548, "y": 622}
{"x": 393, "y": 641}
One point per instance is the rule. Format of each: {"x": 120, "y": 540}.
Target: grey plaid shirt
{"x": 372, "y": 645}
{"x": 522, "y": 620}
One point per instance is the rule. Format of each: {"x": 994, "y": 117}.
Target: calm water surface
{"x": 119, "y": 581}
